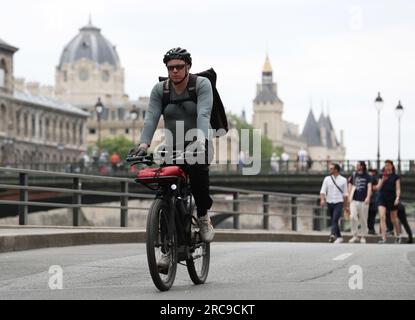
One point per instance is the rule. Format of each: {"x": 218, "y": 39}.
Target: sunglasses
{"x": 178, "y": 67}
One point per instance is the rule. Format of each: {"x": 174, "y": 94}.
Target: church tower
{"x": 268, "y": 107}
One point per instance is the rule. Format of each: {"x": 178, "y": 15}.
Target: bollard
{"x": 76, "y": 200}
{"x": 24, "y": 197}
{"x": 236, "y": 224}
{"x": 124, "y": 204}
{"x": 317, "y": 217}
{"x": 265, "y": 206}
{"x": 294, "y": 213}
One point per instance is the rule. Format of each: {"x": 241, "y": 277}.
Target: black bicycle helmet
{"x": 178, "y": 53}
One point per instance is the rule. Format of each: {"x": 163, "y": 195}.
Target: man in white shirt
{"x": 334, "y": 194}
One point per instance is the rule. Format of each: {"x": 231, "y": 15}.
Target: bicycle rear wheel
{"x": 159, "y": 244}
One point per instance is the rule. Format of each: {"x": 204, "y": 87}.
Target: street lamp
{"x": 399, "y": 114}
{"x": 378, "y": 106}
{"x": 99, "y": 108}
{"x": 134, "y": 116}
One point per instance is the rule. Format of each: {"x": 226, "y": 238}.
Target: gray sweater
{"x": 192, "y": 115}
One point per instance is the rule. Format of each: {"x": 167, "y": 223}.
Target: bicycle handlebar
{"x": 149, "y": 159}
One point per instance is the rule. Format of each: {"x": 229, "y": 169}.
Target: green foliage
{"x": 119, "y": 144}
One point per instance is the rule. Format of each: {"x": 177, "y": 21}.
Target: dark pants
{"x": 335, "y": 212}
{"x": 199, "y": 184}
{"x": 199, "y": 181}
{"x": 402, "y": 219}
{"x": 371, "y": 218}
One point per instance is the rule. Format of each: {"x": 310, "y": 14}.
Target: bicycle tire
{"x": 198, "y": 273}
{"x": 155, "y": 218}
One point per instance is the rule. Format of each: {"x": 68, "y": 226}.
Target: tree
{"x": 120, "y": 145}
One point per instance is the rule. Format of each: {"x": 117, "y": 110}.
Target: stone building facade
{"x": 35, "y": 128}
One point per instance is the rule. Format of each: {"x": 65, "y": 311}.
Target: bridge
{"x": 268, "y": 245}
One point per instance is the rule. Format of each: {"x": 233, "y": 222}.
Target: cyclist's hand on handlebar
{"x": 138, "y": 151}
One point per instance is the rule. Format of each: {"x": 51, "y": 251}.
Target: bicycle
{"x": 171, "y": 223}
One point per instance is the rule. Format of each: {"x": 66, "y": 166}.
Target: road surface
{"x": 238, "y": 271}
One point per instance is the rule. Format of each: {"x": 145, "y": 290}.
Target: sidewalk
{"x": 18, "y": 238}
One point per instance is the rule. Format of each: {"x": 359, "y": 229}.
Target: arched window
{"x": 3, "y": 118}
{"x": 68, "y": 140}
{"x": 3, "y": 71}
{"x": 74, "y": 132}
{"x": 40, "y": 128}
{"x": 61, "y": 131}
{"x": 18, "y": 124}
{"x": 33, "y": 126}
{"x": 54, "y": 130}
{"x": 47, "y": 129}
{"x": 81, "y": 134}
{"x": 26, "y": 125}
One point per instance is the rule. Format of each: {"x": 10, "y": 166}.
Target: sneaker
{"x": 362, "y": 240}
{"x": 332, "y": 238}
{"x": 339, "y": 240}
{"x": 354, "y": 239}
{"x": 410, "y": 240}
{"x": 381, "y": 241}
{"x": 206, "y": 230}
{"x": 163, "y": 263}
{"x": 373, "y": 232}
{"x": 398, "y": 240}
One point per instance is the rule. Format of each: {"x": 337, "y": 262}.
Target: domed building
{"x": 89, "y": 70}
{"x": 89, "y": 67}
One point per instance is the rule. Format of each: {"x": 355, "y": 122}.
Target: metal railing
{"x": 279, "y": 167}
{"x": 293, "y": 206}
{"x": 269, "y": 200}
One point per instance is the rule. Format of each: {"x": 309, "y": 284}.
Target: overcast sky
{"x": 333, "y": 54}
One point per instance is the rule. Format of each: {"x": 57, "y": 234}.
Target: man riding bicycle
{"x": 193, "y": 116}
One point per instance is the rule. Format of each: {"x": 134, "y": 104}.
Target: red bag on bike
{"x": 158, "y": 175}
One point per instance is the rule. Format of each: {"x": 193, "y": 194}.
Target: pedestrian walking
{"x": 360, "y": 190}
{"x": 115, "y": 161}
{"x": 275, "y": 163}
{"x": 373, "y": 205}
{"x": 402, "y": 219}
{"x": 389, "y": 187}
{"x": 334, "y": 193}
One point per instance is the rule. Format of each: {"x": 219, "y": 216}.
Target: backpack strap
{"x": 166, "y": 95}
{"x": 191, "y": 89}
{"x": 334, "y": 181}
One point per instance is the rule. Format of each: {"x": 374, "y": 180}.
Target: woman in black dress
{"x": 389, "y": 187}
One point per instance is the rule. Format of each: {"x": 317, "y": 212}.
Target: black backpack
{"x": 218, "y": 119}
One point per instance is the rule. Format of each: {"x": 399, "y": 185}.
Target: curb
{"x": 72, "y": 237}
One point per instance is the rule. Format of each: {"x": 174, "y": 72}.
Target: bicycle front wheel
{"x": 159, "y": 247}
{"x": 198, "y": 264}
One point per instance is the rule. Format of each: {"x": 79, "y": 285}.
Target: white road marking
{"x": 343, "y": 256}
